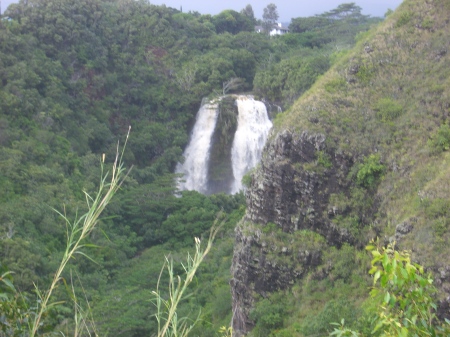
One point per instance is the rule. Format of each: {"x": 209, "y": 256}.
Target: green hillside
{"x": 74, "y": 75}
{"x": 389, "y": 98}
{"x": 382, "y": 170}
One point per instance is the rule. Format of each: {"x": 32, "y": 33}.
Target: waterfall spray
{"x": 253, "y": 126}
{"x": 251, "y": 135}
{"x": 196, "y": 154}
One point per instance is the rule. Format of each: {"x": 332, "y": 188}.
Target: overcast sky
{"x": 287, "y": 9}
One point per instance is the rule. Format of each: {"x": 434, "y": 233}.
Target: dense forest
{"x": 74, "y": 76}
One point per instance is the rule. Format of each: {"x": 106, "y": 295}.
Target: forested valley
{"x": 75, "y": 75}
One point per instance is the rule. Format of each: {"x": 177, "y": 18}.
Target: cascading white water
{"x": 251, "y": 135}
{"x": 253, "y": 126}
{"x": 196, "y": 154}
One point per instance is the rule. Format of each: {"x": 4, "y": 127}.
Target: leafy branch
{"x": 404, "y": 297}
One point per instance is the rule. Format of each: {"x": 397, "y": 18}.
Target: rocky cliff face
{"x": 290, "y": 191}
{"x": 366, "y": 156}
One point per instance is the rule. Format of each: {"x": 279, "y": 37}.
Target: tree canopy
{"x": 270, "y": 17}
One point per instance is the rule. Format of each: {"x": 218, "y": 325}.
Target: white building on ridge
{"x": 278, "y": 29}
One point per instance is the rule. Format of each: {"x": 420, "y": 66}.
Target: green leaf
{"x": 404, "y": 332}
{"x": 4, "y": 296}
{"x": 374, "y": 292}
{"x": 387, "y": 298}
{"x": 91, "y": 245}
{"x": 373, "y": 270}
{"x": 404, "y": 273}
{"x": 385, "y": 260}
{"x": 8, "y": 284}
{"x": 378, "y": 326}
{"x": 375, "y": 253}
{"x": 87, "y": 256}
{"x": 376, "y": 276}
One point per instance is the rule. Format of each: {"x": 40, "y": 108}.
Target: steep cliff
{"x": 364, "y": 153}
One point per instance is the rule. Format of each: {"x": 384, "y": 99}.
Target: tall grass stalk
{"x": 83, "y": 320}
{"x": 80, "y": 228}
{"x": 169, "y": 324}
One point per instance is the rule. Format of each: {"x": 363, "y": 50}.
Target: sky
{"x": 287, "y": 9}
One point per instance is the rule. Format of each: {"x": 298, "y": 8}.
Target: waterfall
{"x": 251, "y": 135}
{"x": 253, "y": 126}
{"x": 196, "y": 154}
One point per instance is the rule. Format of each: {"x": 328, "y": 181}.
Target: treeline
{"x": 74, "y": 75}
{"x": 311, "y": 46}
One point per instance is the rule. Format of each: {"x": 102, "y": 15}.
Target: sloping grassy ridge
{"x": 385, "y": 105}
{"x": 397, "y": 105}
{"x": 391, "y": 97}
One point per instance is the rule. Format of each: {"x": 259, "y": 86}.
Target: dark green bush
{"x": 388, "y": 110}
{"x": 270, "y": 227}
{"x": 405, "y": 17}
{"x": 268, "y": 315}
{"x": 441, "y": 140}
{"x": 335, "y": 85}
{"x": 369, "y": 171}
{"x": 333, "y": 311}
{"x": 323, "y": 159}
{"x": 437, "y": 208}
{"x": 247, "y": 179}
{"x": 365, "y": 73}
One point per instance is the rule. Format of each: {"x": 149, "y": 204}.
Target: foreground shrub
{"x": 404, "y": 297}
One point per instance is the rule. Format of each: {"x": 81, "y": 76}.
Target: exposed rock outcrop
{"x": 283, "y": 191}
{"x": 290, "y": 189}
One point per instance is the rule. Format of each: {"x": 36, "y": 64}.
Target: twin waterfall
{"x": 196, "y": 154}
{"x": 226, "y": 142}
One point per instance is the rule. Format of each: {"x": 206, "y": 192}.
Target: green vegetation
{"x": 169, "y": 324}
{"x": 323, "y": 160}
{"x": 369, "y": 171}
{"x": 247, "y": 179}
{"x": 15, "y": 312}
{"x": 20, "y": 316}
{"x": 76, "y": 234}
{"x": 309, "y": 50}
{"x": 404, "y": 19}
{"x": 75, "y": 74}
{"x": 333, "y": 311}
{"x": 383, "y": 108}
{"x": 441, "y": 140}
{"x": 387, "y": 109}
{"x": 327, "y": 293}
{"x": 338, "y": 26}
{"x": 402, "y": 298}
{"x": 364, "y": 75}
{"x": 268, "y": 315}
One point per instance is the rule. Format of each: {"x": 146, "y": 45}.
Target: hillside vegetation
{"x": 389, "y": 99}
{"x": 383, "y": 111}
{"x": 74, "y": 75}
